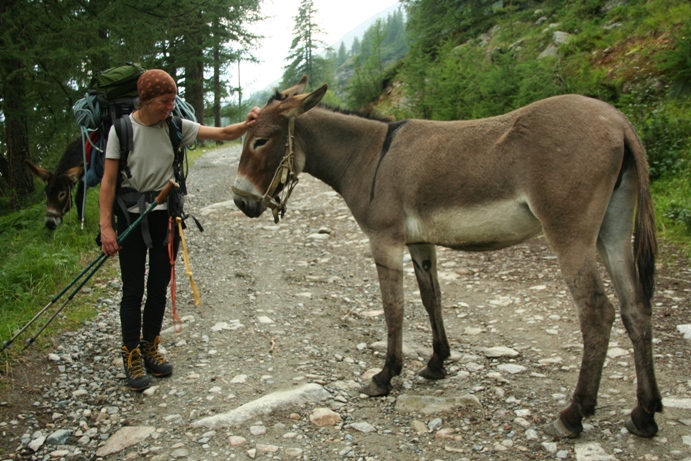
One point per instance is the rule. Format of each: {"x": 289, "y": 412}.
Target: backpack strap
{"x": 123, "y": 128}
{"x": 175, "y": 133}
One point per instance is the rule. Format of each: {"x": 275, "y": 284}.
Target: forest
{"x": 433, "y": 59}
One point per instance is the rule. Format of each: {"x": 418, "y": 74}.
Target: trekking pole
{"x": 9, "y": 342}
{"x": 188, "y": 267}
{"x": 96, "y": 264}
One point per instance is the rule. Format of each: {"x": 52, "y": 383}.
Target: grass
{"x": 36, "y": 264}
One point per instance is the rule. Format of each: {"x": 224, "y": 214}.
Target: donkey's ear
{"x": 302, "y": 103}
{"x": 296, "y": 89}
{"x": 74, "y": 173}
{"x": 41, "y": 173}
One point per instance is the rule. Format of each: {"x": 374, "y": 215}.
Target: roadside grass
{"x": 36, "y": 264}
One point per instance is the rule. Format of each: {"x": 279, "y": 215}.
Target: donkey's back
{"x": 491, "y": 183}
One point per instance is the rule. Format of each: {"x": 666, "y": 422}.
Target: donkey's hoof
{"x": 374, "y": 390}
{"x": 646, "y": 431}
{"x": 558, "y": 429}
{"x": 430, "y": 373}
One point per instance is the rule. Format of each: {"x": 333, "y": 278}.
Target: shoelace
{"x": 136, "y": 366}
{"x": 153, "y": 354}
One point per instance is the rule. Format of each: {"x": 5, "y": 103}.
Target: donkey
{"x": 568, "y": 166}
{"x": 59, "y": 185}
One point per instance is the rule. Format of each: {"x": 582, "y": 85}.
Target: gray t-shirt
{"x": 151, "y": 159}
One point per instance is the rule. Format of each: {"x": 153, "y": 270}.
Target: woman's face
{"x": 161, "y": 106}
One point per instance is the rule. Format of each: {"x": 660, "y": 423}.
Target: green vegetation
{"x": 36, "y": 264}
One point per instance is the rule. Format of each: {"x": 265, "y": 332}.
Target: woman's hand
{"x": 109, "y": 241}
{"x": 252, "y": 116}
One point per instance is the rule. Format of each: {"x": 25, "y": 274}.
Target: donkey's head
{"x": 268, "y": 165}
{"x": 58, "y": 191}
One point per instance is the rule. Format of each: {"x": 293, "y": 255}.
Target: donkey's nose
{"x": 240, "y": 203}
{"x": 51, "y": 224}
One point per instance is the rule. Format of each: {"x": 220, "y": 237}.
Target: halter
{"x": 285, "y": 175}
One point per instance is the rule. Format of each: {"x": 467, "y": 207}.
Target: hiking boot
{"x": 154, "y": 360}
{"x": 137, "y": 379}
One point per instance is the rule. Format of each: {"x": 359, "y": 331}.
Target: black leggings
{"x": 133, "y": 271}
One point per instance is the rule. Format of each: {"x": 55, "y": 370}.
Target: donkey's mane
{"x": 277, "y": 96}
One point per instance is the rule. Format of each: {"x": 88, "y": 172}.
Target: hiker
{"x": 150, "y": 164}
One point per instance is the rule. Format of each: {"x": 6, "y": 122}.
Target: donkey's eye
{"x": 260, "y": 142}
{"x": 62, "y": 195}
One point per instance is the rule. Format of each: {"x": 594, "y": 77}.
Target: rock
{"x": 321, "y": 417}
{"x": 549, "y": 447}
{"x": 499, "y": 351}
{"x": 418, "y": 426}
{"x": 560, "y": 38}
{"x": 592, "y": 451}
{"x": 363, "y": 427}
{"x": 125, "y": 438}
{"x": 511, "y": 368}
{"x": 308, "y": 393}
{"x": 236, "y": 440}
{"x": 616, "y": 352}
{"x": 549, "y": 52}
{"x": 294, "y": 452}
{"x": 685, "y": 330}
{"x": 684, "y": 404}
{"x": 59, "y": 437}
{"x": 37, "y": 443}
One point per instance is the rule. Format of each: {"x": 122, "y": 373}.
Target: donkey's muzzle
{"x": 52, "y": 222}
{"x": 252, "y": 208}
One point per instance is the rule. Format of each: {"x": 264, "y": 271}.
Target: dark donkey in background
{"x": 60, "y": 184}
{"x": 569, "y": 166}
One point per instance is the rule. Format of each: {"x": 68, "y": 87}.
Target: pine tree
{"x": 303, "y": 57}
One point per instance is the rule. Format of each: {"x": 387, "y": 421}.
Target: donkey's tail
{"x": 645, "y": 239}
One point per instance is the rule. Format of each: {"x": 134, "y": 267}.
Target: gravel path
{"x": 290, "y": 326}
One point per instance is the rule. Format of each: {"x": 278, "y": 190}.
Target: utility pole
{"x": 239, "y": 94}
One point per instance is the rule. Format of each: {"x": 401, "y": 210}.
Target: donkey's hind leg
{"x": 425, "y": 262}
{"x": 614, "y": 247}
{"x": 596, "y": 315}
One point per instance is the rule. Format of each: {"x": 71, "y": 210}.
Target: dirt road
{"x": 294, "y": 305}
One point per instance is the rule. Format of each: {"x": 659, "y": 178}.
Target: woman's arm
{"x": 106, "y": 200}
{"x": 229, "y": 132}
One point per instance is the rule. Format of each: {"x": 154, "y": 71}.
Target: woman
{"x": 150, "y": 164}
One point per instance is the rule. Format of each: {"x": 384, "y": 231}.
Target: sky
{"x": 335, "y": 17}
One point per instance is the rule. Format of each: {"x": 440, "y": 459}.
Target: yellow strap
{"x": 188, "y": 269}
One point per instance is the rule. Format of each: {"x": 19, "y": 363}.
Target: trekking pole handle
{"x": 161, "y": 197}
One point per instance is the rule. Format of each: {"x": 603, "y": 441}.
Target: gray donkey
{"x": 568, "y": 166}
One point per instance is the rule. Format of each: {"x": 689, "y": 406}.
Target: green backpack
{"x": 117, "y": 82}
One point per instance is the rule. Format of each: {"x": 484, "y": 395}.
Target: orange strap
{"x": 177, "y": 323}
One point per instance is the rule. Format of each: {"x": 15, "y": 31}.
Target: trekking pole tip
{"x": 5, "y": 345}
{"x": 29, "y": 342}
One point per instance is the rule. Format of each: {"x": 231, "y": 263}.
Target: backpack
{"x": 112, "y": 95}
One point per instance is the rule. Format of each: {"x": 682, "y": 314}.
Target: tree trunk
{"x": 19, "y": 179}
{"x": 217, "y": 85}
{"x": 194, "y": 71}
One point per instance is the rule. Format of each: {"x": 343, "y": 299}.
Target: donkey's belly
{"x": 480, "y": 228}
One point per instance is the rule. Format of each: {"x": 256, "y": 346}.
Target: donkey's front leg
{"x": 425, "y": 262}
{"x": 389, "y": 262}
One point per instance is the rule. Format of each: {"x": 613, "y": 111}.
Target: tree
{"x": 40, "y": 82}
{"x": 303, "y": 57}
{"x": 342, "y": 55}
